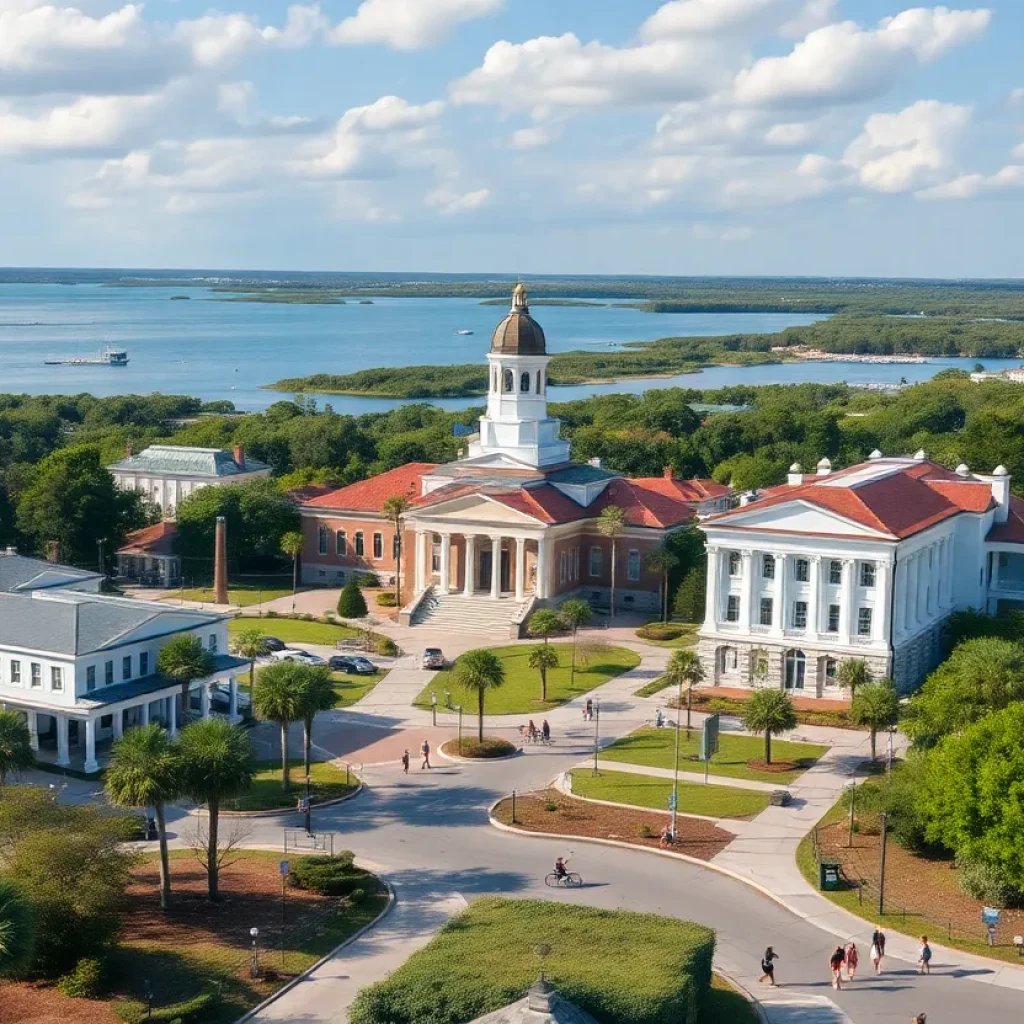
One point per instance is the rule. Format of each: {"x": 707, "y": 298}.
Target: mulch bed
{"x": 697, "y": 838}
{"x": 775, "y": 767}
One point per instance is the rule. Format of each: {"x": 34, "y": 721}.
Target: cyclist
{"x": 560, "y": 869}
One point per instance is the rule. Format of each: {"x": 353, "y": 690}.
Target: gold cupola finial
{"x": 519, "y": 302}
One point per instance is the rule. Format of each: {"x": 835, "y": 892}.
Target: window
{"x": 16, "y": 673}
{"x": 378, "y": 545}
{"x": 802, "y": 570}
{"x": 56, "y": 679}
{"x": 734, "y": 563}
{"x": 212, "y": 642}
{"x": 576, "y": 562}
{"x": 126, "y": 667}
{"x": 768, "y": 567}
{"x": 37, "y": 674}
{"x": 509, "y": 382}
{"x": 833, "y": 618}
{"x": 596, "y": 561}
{"x": 323, "y": 540}
{"x": 835, "y": 572}
{"x": 396, "y": 546}
{"x": 633, "y": 565}
{"x": 863, "y": 622}
{"x": 90, "y": 678}
{"x": 563, "y": 567}
{"x": 144, "y": 663}
{"x": 732, "y": 609}
{"x": 727, "y": 659}
{"x": 799, "y": 614}
{"x": 867, "y": 574}
{"x": 359, "y": 544}
{"x": 540, "y": 383}
{"x": 765, "y": 613}
{"x": 435, "y": 556}
{"x": 830, "y": 670}
{"x": 524, "y": 382}
{"x": 108, "y": 673}
{"x": 340, "y": 543}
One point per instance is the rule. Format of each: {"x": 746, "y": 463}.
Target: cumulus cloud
{"x": 449, "y": 203}
{"x": 533, "y": 137}
{"x": 972, "y": 186}
{"x": 409, "y": 24}
{"x": 680, "y": 18}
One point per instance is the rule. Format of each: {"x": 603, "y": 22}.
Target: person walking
{"x": 588, "y": 710}
{"x": 925, "y": 958}
{"x": 768, "y": 967}
{"x": 425, "y": 751}
{"x": 877, "y": 949}
{"x": 531, "y": 731}
{"x": 835, "y": 962}
{"x": 545, "y": 731}
{"x": 852, "y": 959}
{"x": 405, "y": 762}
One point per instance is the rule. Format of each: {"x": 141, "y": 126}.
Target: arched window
{"x": 796, "y": 668}
{"x": 509, "y": 382}
{"x": 524, "y": 382}
{"x": 758, "y": 666}
{"x": 768, "y": 567}
{"x": 727, "y": 659}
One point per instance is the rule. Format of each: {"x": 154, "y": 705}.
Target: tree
{"x": 611, "y": 523}
{"x": 318, "y": 695}
{"x": 394, "y": 508}
{"x": 216, "y": 764}
{"x": 143, "y": 772}
{"x": 662, "y": 560}
{"x": 251, "y": 644}
{"x": 479, "y": 671}
{"x": 542, "y": 658}
{"x": 279, "y": 698}
{"x": 770, "y": 712}
{"x": 684, "y": 669}
{"x": 545, "y": 623}
{"x": 15, "y": 745}
{"x": 185, "y": 659}
{"x": 17, "y": 929}
{"x": 575, "y": 613}
{"x": 876, "y": 706}
{"x": 688, "y": 604}
{"x": 291, "y": 545}
{"x": 853, "y": 672}
{"x": 351, "y": 603}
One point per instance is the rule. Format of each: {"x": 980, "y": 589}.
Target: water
{"x": 228, "y": 350}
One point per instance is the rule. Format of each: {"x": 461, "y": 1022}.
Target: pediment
{"x": 799, "y": 517}
{"x": 473, "y": 510}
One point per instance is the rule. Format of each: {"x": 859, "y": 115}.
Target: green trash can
{"x": 829, "y": 875}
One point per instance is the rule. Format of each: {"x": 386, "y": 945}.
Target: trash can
{"x": 829, "y": 875}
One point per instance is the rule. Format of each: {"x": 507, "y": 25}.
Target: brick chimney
{"x": 220, "y": 563}
{"x": 667, "y": 473}
{"x": 240, "y": 456}
{"x": 795, "y": 476}
{"x": 1001, "y": 492}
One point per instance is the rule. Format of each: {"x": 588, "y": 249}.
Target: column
{"x": 947, "y": 575}
{"x": 91, "y": 764}
{"x": 899, "y": 600}
{"x": 779, "y": 603}
{"x": 32, "y": 721}
{"x": 446, "y": 561}
{"x": 846, "y": 611}
{"x": 204, "y": 700}
{"x": 144, "y": 713}
{"x": 233, "y": 699}
{"x": 928, "y": 589}
{"x": 419, "y": 561}
{"x": 118, "y": 723}
{"x": 543, "y": 557}
{"x": 814, "y": 597}
{"x": 469, "y": 583}
{"x": 63, "y": 755}
{"x": 747, "y": 591}
{"x": 922, "y": 586}
{"x": 880, "y": 620}
{"x": 520, "y": 568}
{"x": 495, "y": 568}
{"x": 911, "y": 594}
{"x": 172, "y": 716}
{"x": 711, "y": 591}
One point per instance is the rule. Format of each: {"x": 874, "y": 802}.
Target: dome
{"x": 1000, "y": 470}
{"x": 963, "y": 469}
{"x": 519, "y": 334}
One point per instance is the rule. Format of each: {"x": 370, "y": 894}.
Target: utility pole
{"x": 675, "y": 770}
{"x": 853, "y": 800}
{"x": 881, "y": 868}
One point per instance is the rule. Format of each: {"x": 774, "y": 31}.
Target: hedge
{"x": 132, "y": 1011}
{"x": 490, "y": 746}
{"x": 621, "y": 967}
{"x": 662, "y": 631}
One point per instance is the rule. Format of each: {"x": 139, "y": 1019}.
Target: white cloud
{"x": 971, "y": 186}
{"x": 683, "y": 18}
{"x": 844, "y": 63}
{"x": 388, "y": 114}
{"x": 409, "y": 24}
{"x": 533, "y": 137}
{"x": 449, "y": 203}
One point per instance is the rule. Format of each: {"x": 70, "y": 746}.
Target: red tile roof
{"x": 150, "y": 540}
{"x": 1012, "y": 531}
{"x": 688, "y": 490}
{"x": 370, "y": 495}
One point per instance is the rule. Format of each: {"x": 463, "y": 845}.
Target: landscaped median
{"x": 490, "y": 748}
{"x": 328, "y": 781}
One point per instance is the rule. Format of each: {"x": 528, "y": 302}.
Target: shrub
{"x": 661, "y": 631}
{"x": 351, "y": 603}
{"x": 489, "y": 746}
{"x": 270, "y": 613}
{"x": 385, "y": 646}
{"x": 986, "y": 882}
{"x": 387, "y": 599}
{"x": 307, "y": 617}
{"x": 368, "y": 579}
{"x": 85, "y": 981}
{"x": 131, "y": 1011}
{"x": 724, "y": 706}
{"x": 645, "y": 831}
{"x": 328, "y": 876}
{"x": 357, "y": 896}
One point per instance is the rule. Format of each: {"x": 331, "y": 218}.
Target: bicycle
{"x": 570, "y": 880}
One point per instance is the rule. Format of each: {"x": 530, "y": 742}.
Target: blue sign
{"x": 672, "y": 802}
{"x": 284, "y": 869}
{"x": 989, "y": 916}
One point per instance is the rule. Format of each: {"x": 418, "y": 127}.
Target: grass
{"x": 655, "y": 749}
{"x": 293, "y": 631}
{"x": 326, "y": 783}
{"x": 649, "y": 791}
{"x": 351, "y": 689}
{"x": 688, "y": 639}
{"x": 520, "y": 693}
{"x": 726, "y": 1005}
{"x": 242, "y": 594}
{"x": 487, "y": 957}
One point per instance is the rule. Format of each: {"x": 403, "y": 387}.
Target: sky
{"x": 692, "y": 137}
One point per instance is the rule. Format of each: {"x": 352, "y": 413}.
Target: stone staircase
{"x": 458, "y": 614}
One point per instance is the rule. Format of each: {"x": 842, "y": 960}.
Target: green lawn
{"x": 724, "y": 1005}
{"x": 520, "y": 693}
{"x": 655, "y": 749}
{"x": 649, "y": 791}
{"x": 688, "y": 639}
{"x": 351, "y": 689}
{"x": 326, "y": 783}
{"x": 293, "y": 631}
{"x": 241, "y": 593}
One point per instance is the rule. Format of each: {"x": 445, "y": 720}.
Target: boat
{"x": 463, "y": 331}
{"x": 108, "y": 357}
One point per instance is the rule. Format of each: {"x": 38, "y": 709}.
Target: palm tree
{"x": 480, "y": 670}
{"x": 185, "y": 659}
{"x": 251, "y": 644}
{"x": 545, "y": 623}
{"x": 291, "y": 545}
{"x": 17, "y": 928}
{"x": 853, "y": 672}
{"x": 394, "y": 508}
{"x": 15, "y": 745}
{"x": 216, "y": 764}
{"x": 318, "y": 695}
{"x": 279, "y": 699}
{"x": 770, "y": 712}
{"x": 662, "y": 559}
{"x": 542, "y": 658}
{"x": 143, "y": 772}
{"x": 684, "y": 669}
{"x": 611, "y": 523}
{"x": 876, "y": 706}
{"x": 575, "y": 613}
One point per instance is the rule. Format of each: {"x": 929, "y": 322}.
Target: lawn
{"x": 326, "y": 782}
{"x": 488, "y": 957}
{"x": 687, "y": 639}
{"x": 649, "y": 791}
{"x": 725, "y": 1005}
{"x": 655, "y": 748}
{"x": 241, "y": 593}
{"x": 351, "y": 689}
{"x": 520, "y": 693}
{"x": 293, "y": 631}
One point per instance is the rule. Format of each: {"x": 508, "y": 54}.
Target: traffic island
{"x": 490, "y": 748}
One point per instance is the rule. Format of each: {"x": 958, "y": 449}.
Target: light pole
{"x": 433, "y": 705}
{"x": 597, "y": 726}
{"x": 881, "y": 868}
{"x": 254, "y": 966}
{"x": 892, "y": 734}
{"x": 309, "y": 811}
{"x": 459, "y": 709}
{"x": 675, "y": 763}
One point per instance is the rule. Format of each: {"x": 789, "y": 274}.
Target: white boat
{"x": 463, "y": 331}
{"x": 108, "y": 357}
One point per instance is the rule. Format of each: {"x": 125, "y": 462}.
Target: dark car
{"x": 351, "y": 665}
{"x": 273, "y": 644}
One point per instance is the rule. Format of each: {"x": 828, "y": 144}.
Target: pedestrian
{"x": 768, "y": 967}
{"x": 405, "y": 762}
{"x": 925, "y": 958}
{"x": 531, "y": 730}
{"x": 835, "y": 962}
{"x": 659, "y": 719}
{"x": 545, "y": 731}
{"x": 852, "y": 959}
{"x": 425, "y": 751}
{"x": 919, "y": 1018}
{"x": 588, "y": 710}
{"x": 877, "y": 948}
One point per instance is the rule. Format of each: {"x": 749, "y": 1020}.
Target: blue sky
{"x": 846, "y": 137}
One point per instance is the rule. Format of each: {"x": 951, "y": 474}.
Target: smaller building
{"x": 148, "y": 556}
{"x": 20, "y": 574}
{"x": 167, "y": 473}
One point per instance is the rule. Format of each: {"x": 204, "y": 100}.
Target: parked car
{"x": 296, "y": 654}
{"x": 273, "y": 644}
{"x": 352, "y": 665}
{"x": 433, "y": 657}
{"x": 221, "y": 697}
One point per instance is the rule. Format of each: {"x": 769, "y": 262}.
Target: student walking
{"x": 545, "y": 731}
{"x": 835, "y": 962}
{"x": 852, "y": 959}
{"x": 531, "y": 732}
{"x": 877, "y": 949}
{"x": 588, "y": 710}
{"x": 925, "y": 958}
{"x": 425, "y": 751}
{"x": 405, "y": 762}
{"x": 768, "y": 967}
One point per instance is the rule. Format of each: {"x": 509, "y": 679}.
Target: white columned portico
{"x": 204, "y": 700}
{"x": 711, "y": 594}
{"x": 747, "y": 593}
{"x": 144, "y": 713}
{"x": 420, "y": 560}
{"x": 117, "y": 720}
{"x": 947, "y": 575}
{"x": 495, "y": 568}
{"x": 930, "y": 582}
{"x": 779, "y": 604}
{"x": 446, "y": 561}
{"x": 233, "y": 699}
{"x": 814, "y": 597}
{"x": 913, "y": 577}
{"x": 91, "y": 764}
{"x": 172, "y": 716}
{"x": 63, "y": 752}
{"x": 543, "y": 563}
{"x": 846, "y": 602}
{"x": 469, "y": 582}
{"x": 880, "y": 622}
{"x": 921, "y": 596}
{"x": 899, "y": 599}
{"x": 520, "y": 568}
{"x": 32, "y": 721}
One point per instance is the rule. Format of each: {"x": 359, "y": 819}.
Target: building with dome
{"x": 511, "y": 524}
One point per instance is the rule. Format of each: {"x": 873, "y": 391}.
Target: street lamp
{"x": 254, "y": 966}
{"x": 309, "y": 812}
{"x": 433, "y": 705}
{"x": 459, "y": 709}
{"x": 597, "y": 725}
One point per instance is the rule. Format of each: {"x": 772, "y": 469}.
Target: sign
{"x": 989, "y": 916}
{"x": 284, "y": 869}
{"x": 709, "y": 737}
{"x": 672, "y": 803}
{"x": 829, "y": 876}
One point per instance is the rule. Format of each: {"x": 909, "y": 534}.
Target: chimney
{"x": 220, "y": 563}
{"x": 595, "y": 462}
{"x": 240, "y": 457}
{"x": 824, "y": 467}
{"x": 747, "y": 497}
{"x": 796, "y": 475}
{"x": 129, "y": 451}
{"x": 52, "y": 551}
{"x": 876, "y": 454}
{"x": 1001, "y": 492}
{"x": 667, "y": 473}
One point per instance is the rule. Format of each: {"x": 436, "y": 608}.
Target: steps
{"x": 459, "y": 614}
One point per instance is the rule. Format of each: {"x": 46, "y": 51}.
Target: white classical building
{"x": 20, "y": 574}
{"x": 82, "y": 667}
{"x": 167, "y": 473}
{"x": 865, "y": 562}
